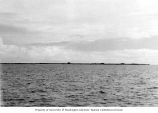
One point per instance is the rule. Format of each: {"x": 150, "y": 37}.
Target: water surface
{"x": 62, "y": 85}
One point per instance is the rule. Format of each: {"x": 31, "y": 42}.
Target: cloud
{"x": 1, "y": 41}
{"x": 60, "y": 20}
{"x": 96, "y": 30}
{"x": 10, "y": 29}
{"x": 15, "y": 53}
{"x": 115, "y": 44}
{"x": 56, "y": 53}
{"x": 102, "y": 45}
{"x": 81, "y": 20}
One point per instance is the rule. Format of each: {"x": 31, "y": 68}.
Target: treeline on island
{"x": 84, "y": 63}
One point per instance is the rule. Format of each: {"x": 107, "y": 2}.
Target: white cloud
{"x": 136, "y": 33}
{"x": 127, "y": 56}
{"x": 47, "y": 21}
{"x": 1, "y": 42}
{"x": 59, "y": 20}
{"x": 36, "y": 54}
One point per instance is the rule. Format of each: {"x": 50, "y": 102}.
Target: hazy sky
{"x": 79, "y": 31}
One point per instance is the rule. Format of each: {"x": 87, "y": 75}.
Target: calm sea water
{"x": 79, "y": 85}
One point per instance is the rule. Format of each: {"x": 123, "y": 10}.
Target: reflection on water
{"x": 79, "y": 85}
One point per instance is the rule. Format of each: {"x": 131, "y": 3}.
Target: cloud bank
{"x": 59, "y": 53}
{"x": 79, "y": 31}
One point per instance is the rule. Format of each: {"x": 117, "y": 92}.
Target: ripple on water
{"x": 79, "y": 85}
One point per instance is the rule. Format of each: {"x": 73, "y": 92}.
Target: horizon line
{"x": 85, "y": 63}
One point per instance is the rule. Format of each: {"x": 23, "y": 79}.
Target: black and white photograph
{"x": 79, "y": 53}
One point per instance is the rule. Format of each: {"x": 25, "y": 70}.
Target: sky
{"x": 109, "y": 31}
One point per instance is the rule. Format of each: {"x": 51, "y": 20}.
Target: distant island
{"x": 84, "y": 63}
{"x": 108, "y": 63}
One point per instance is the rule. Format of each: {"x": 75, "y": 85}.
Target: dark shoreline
{"x": 83, "y": 63}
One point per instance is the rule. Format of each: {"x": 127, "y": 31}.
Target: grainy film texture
{"x": 59, "y": 53}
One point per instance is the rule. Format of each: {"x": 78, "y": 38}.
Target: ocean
{"x": 69, "y": 85}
